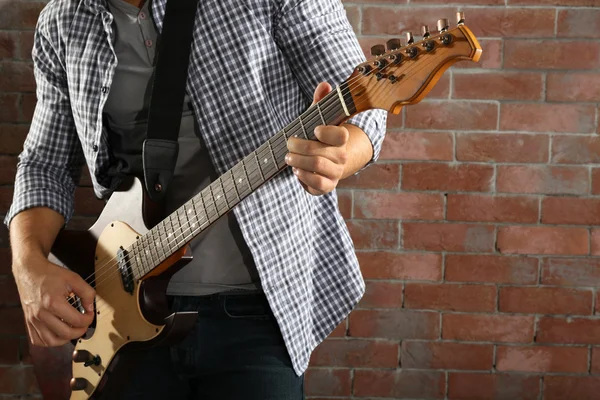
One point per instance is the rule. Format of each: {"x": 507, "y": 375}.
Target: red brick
{"x": 376, "y": 176}
{"x": 542, "y": 179}
{"x": 404, "y": 266}
{"x": 511, "y": 22}
{"x": 595, "y": 180}
{"x": 21, "y": 15}
{"x": 570, "y": 210}
{"x": 595, "y": 360}
{"x": 345, "y": 203}
{"x": 9, "y": 350}
{"x": 8, "y": 44}
{"x": 542, "y": 240}
{"x": 551, "y": 54}
{"x": 18, "y": 379}
{"x": 417, "y": 146}
{"x": 28, "y": 101}
{"x": 393, "y": 21}
{"x": 382, "y": 295}
{"x": 9, "y": 107}
{"x": 16, "y": 77}
{"x": 443, "y": 355}
{"x": 583, "y": 271}
{"x": 478, "y": 2}
{"x": 448, "y": 237}
{"x": 491, "y": 58}
{"x": 451, "y": 115}
{"x": 578, "y": 23}
{"x": 11, "y": 136}
{"x": 340, "y": 330}
{"x": 450, "y": 297}
{"x": 353, "y": 14}
{"x": 578, "y": 118}
{"x": 13, "y": 322}
{"x": 478, "y": 386}
{"x": 399, "y": 384}
{"x": 382, "y": 205}
{"x": 9, "y": 296}
{"x": 486, "y": 208}
{"x": 26, "y": 41}
{"x": 518, "y": 148}
{"x": 328, "y": 382}
{"x": 542, "y": 359}
{"x": 568, "y": 330}
{"x": 394, "y": 324}
{"x": 356, "y": 353}
{"x": 86, "y": 202}
{"x": 545, "y": 300}
{"x": 595, "y": 242}
{"x": 573, "y": 86}
{"x": 575, "y": 149}
{"x": 488, "y": 328}
{"x": 571, "y": 387}
{"x": 373, "y": 234}
{"x": 572, "y": 3}
{"x": 5, "y": 261}
{"x": 8, "y": 169}
{"x": 498, "y": 85}
{"x": 447, "y": 177}
{"x": 489, "y": 268}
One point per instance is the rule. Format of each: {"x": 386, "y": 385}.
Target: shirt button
{"x": 149, "y": 43}
{"x": 142, "y": 15}
{"x": 95, "y": 147}
{"x": 104, "y": 89}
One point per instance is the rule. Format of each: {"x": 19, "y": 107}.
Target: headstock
{"x": 404, "y": 74}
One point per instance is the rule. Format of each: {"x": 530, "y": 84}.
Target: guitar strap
{"x": 160, "y": 149}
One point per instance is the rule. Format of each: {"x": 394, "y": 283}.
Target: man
{"x": 273, "y": 279}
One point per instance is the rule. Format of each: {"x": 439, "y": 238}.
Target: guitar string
{"x": 201, "y": 226}
{"x": 312, "y": 109}
{"x": 293, "y": 130}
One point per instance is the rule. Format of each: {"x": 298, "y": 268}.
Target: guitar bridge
{"x": 125, "y": 269}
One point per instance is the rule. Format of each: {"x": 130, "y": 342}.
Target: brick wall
{"x": 477, "y": 231}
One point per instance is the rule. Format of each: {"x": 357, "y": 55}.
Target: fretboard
{"x": 224, "y": 193}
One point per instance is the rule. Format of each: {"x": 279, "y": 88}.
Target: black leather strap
{"x": 166, "y": 102}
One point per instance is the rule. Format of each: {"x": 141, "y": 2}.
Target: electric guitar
{"x": 131, "y": 253}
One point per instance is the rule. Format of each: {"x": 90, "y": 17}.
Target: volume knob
{"x": 81, "y": 356}
{"x": 78, "y": 384}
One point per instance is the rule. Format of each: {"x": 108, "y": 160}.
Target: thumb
{"x": 321, "y": 91}
{"x": 81, "y": 288}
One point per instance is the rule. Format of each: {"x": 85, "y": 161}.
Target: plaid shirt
{"x": 253, "y": 68}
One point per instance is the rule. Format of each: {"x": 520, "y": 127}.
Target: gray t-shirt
{"x": 222, "y": 260}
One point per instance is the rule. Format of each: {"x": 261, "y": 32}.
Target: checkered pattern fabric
{"x": 253, "y": 68}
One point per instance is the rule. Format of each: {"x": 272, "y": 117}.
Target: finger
{"x": 81, "y": 288}
{"x": 34, "y": 337}
{"x": 321, "y": 91}
{"x": 59, "y": 328}
{"x": 65, "y": 311}
{"x": 320, "y": 165}
{"x": 332, "y": 135}
{"x": 317, "y": 184}
{"x": 46, "y": 335}
{"x": 313, "y": 148}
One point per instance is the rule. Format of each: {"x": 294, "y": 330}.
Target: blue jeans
{"x": 234, "y": 352}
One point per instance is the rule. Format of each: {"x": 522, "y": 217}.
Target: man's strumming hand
{"x": 339, "y": 152}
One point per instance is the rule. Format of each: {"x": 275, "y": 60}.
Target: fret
{"x": 230, "y": 189}
{"x": 240, "y": 180}
{"x": 224, "y": 193}
{"x": 207, "y": 219}
{"x": 218, "y": 196}
{"x": 266, "y": 162}
{"x": 278, "y": 161}
{"x": 321, "y": 114}
{"x": 158, "y": 242}
{"x": 302, "y": 127}
{"x": 209, "y": 205}
{"x": 154, "y": 246}
{"x": 200, "y": 210}
{"x": 252, "y": 171}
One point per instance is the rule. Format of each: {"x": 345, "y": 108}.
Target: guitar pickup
{"x": 125, "y": 269}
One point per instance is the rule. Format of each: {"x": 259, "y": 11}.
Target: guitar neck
{"x": 224, "y": 193}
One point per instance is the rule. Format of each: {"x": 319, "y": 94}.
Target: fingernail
{"x": 287, "y": 158}
{"x": 295, "y": 170}
{"x": 91, "y": 308}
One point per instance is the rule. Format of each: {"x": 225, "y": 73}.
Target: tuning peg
{"x": 442, "y": 25}
{"x": 409, "y": 38}
{"x": 425, "y": 32}
{"x": 377, "y": 50}
{"x": 393, "y": 44}
{"x": 460, "y": 18}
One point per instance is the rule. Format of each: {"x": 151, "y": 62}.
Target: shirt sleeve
{"x": 320, "y": 45}
{"x": 50, "y": 164}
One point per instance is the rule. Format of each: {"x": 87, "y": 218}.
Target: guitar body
{"x": 125, "y": 320}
